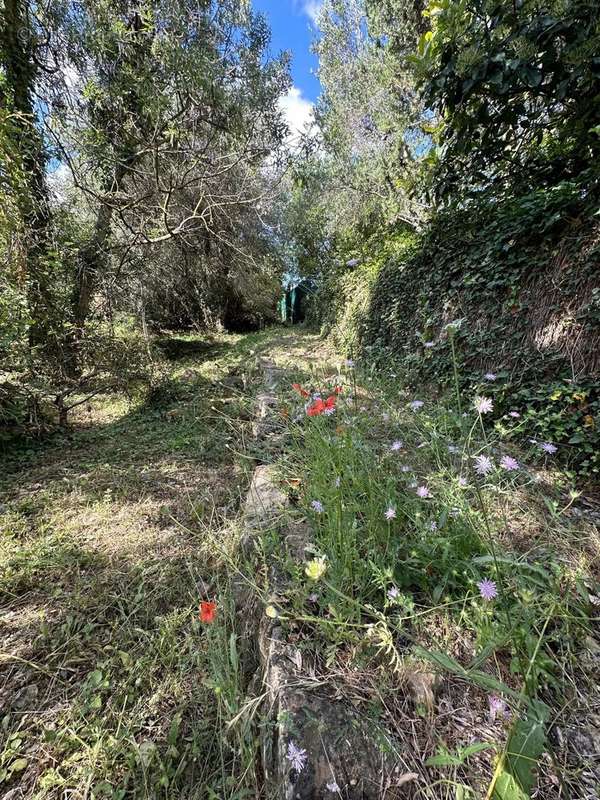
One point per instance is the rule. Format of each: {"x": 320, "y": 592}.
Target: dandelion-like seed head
{"x": 483, "y": 465}
{"x": 487, "y": 589}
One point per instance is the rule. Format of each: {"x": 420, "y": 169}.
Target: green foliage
{"x": 515, "y": 88}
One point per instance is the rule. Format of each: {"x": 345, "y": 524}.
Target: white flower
{"x": 296, "y": 756}
{"x": 333, "y": 787}
{"x": 416, "y": 405}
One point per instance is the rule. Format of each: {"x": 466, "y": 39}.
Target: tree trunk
{"x": 17, "y": 49}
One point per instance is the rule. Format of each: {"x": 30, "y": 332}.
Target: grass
{"x": 396, "y": 599}
{"x": 113, "y": 532}
{"x": 108, "y": 684}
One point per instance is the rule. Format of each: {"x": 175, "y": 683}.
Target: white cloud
{"x": 297, "y": 112}
{"x": 312, "y": 9}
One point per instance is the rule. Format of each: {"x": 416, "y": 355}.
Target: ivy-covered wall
{"x": 524, "y": 278}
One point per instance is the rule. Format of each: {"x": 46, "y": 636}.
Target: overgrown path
{"x": 102, "y": 565}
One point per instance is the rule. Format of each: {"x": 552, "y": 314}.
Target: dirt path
{"x": 102, "y": 563}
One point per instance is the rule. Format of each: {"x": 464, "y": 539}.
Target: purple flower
{"x": 483, "y": 465}
{"x": 296, "y": 756}
{"x": 349, "y": 362}
{"x": 514, "y": 414}
{"x": 433, "y": 525}
{"x": 509, "y": 463}
{"x": 393, "y": 593}
{"x": 490, "y": 376}
{"x": 317, "y": 506}
{"x": 423, "y": 491}
{"x": 397, "y": 445}
{"x": 390, "y": 513}
{"x": 416, "y": 405}
{"x": 487, "y": 589}
{"x": 329, "y": 411}
{"x": 462, "y": 481}
{"x": 497, "y": 707}
{"x": 483, "y": 405}
{"x": 548, "y": 447}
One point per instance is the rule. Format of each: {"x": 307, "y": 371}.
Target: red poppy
{"x": 337, "y": 389}
{"x": 316, "y": 408}
{"x": 302, "y": 392}
{"x": 208, "y": 611}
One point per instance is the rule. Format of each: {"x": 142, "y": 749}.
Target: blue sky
{"x": 292, "y": 25}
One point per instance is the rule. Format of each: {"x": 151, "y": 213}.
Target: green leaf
{"x": 523, "y": 750}
{"x": 19, "y": 764}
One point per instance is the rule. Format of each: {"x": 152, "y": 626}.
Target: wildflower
{"x": 423, "y": 491}
{"x": 337, "y": 390}
{"x": 497, "y": 707}
{"x": 428, "y": 344}
{"x": 337, "y": 482}
{"x": 462, "y": 481}
{"x": 349, "y": 362}
{"x": 548, "y": 447}
{"x": 333, "y": 787}
{"x": 313, "y": 597}
{"x": 390, "y": 513}
{"x": 319, "y": 406}
{"x": 302, "y": 392}
{"x": 271, "y": 612}
{"x": 483, "y": 465}
{"x": 509, "y": 463}
{"x": 416, "y": 405}
{"x": 317, "y": 506}
{"x": 487, "y": 589}
{"x": 393, "y": 593}
{"x": 514, "y": 414}
{"x": 397, "y": 445}
{"x": 208, "y": 611}
{"x": 316, "y": 568}
{"x": 329, "y": 411}
{"x": 433, "y": 525}
{"x": 490, "y": 376}
{"x": 296, "y": 756}
{"x": 483, "y": 405}
{"x": 404, "y": 468}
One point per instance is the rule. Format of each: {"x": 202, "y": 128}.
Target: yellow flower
{"x": 315, "y": 569}
{"x": 271, "y": 612}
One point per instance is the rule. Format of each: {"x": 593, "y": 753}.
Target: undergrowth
{"x": 418, "y": 556}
